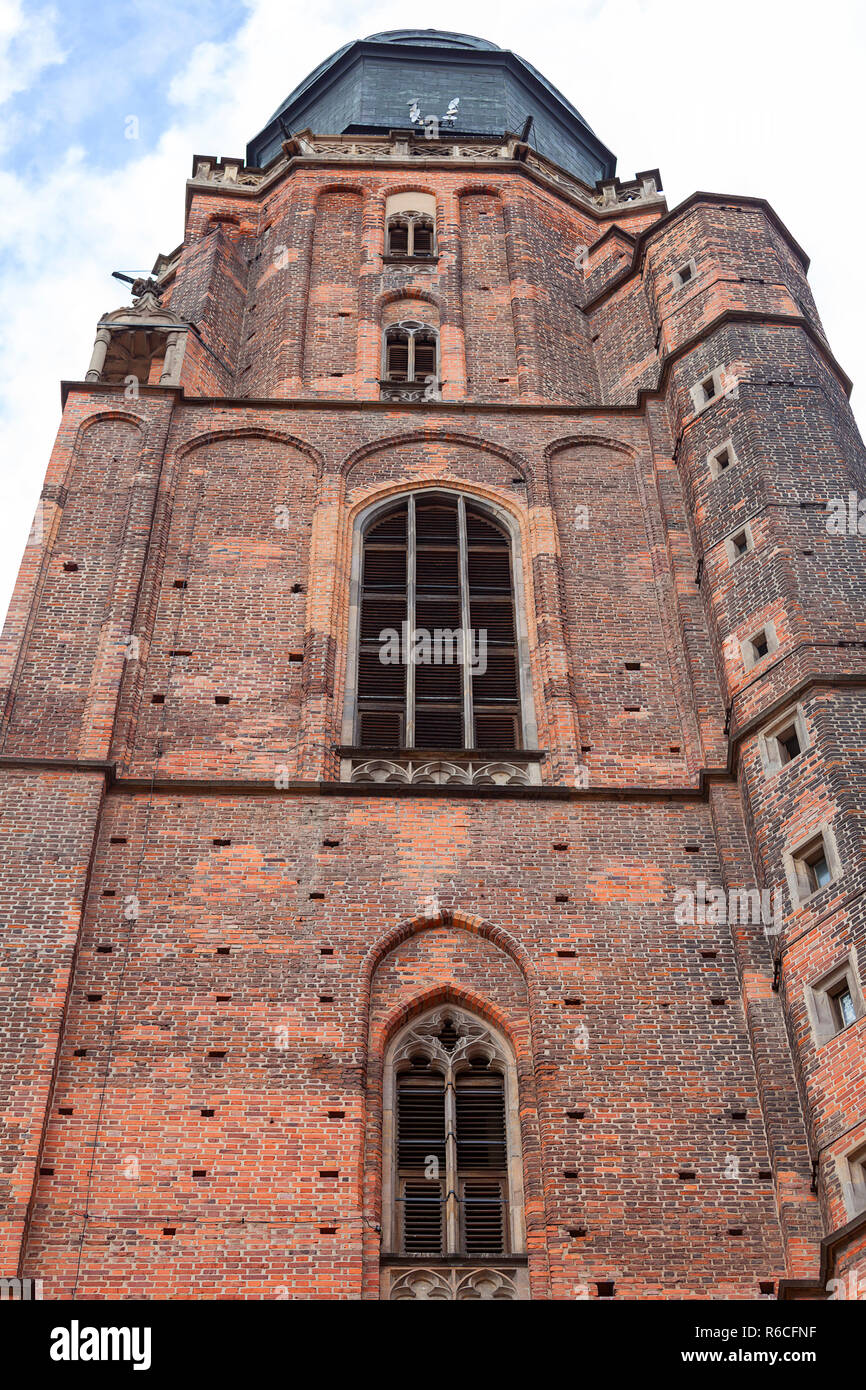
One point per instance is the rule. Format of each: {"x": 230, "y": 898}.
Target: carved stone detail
{"x": 410, "y": 391}
{"x": 487, "y": 1283}
{"x": 403, "y": 144}
{"x": 128, "y": 339}
{"x": 426, "y": 1284}
{"x": 449, "y": 1035}
{"x": 439, "y": 772}
{"x": 444, "y": 1284}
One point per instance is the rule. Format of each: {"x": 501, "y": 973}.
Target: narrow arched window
{"x": 451, "y": 1143}
{"x": 438, "y": 658}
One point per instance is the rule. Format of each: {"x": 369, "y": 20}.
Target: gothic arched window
{"x": 438, "y": 662}
{"x": 453, "y": 1174}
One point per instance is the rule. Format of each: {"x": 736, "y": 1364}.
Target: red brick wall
{"x": 491, "y": 363}
{"x": 683, "y": 1024}
{"x": 660, "y": 1070}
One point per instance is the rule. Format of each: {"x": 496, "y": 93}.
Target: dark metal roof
{"x": 369, "y": 83}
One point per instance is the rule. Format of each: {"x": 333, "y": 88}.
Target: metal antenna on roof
{"x": 140, "y": 283}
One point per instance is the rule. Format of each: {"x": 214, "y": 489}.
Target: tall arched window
{"x": 453, "y": 1188}
{"x": 438, "y": 661}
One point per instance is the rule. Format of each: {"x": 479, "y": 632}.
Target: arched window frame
{"x": 414, "y": 222}
{"x": 477, "y": 1037}
{"x": 526, "y": 768}
{"x": 411, "y": 329}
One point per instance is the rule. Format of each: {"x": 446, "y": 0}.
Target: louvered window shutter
{"x": 438, "y": 686}
{"x": 421, "y": 1150}
{"x": 482, "y": 1163}
{"x": 398, "y": 358}
{"x": 398, "y": 238}
{"x": 495, "y": 691}
{"x": 484, "y": 1224}
{"x": 423, "y": 238}
{"x": 425, "y": 357}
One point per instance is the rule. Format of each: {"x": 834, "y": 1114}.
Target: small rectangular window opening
{"x": 817, "y": 870}
{"x": 721, "y": 458}
{"x": 842, "y": 1001}
{"x": 789, "y": 744}
{"x": 835, "y": 1002}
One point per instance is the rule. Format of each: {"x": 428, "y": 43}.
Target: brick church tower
{"x": 433, "y": 735}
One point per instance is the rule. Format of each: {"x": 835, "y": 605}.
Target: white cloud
{"x": 741, "y": 98}
{"x": 28, "y": 44}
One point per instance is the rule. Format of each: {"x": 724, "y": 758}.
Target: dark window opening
{"x": 816, "y": 868}
{"x": 789, "y": 744}
{"x": 410, "y": 235}
{"x": 423, "y": 237}
{"x": 411, "y": 353}
{"x": 398, "y": 237}
{"x": 438, "y": 660}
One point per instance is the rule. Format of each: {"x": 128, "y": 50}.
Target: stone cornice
{"x": 613, "y": 199}
{"x": 241, "y": 787}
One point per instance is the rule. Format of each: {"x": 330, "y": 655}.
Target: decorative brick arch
{"x": 103, "y": 415}
{"x": 449, "y": 917}
{"x": 463, "y": 997}
{"x": 346, "y": 187}
{"x": 385, "y": 191}
{"x": 576, "y": 441}
{"x": 199, "y": 441}
{"x": 512, "y": 1020}
{"x": 396, "y": 441}
{"x": 485, "y": 190}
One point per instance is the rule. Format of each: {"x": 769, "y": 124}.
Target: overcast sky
{"x": 736, "y": 96}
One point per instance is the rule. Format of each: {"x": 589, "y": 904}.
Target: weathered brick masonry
{"x": 211, "y": 934}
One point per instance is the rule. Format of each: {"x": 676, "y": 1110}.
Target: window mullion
{"x": 410, "y": 355}
{"x": 452, "y": 1210}
{"x": 410, "y": 236}
{"x": 463, "y": 552}
{"x": 410, "y": 620}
